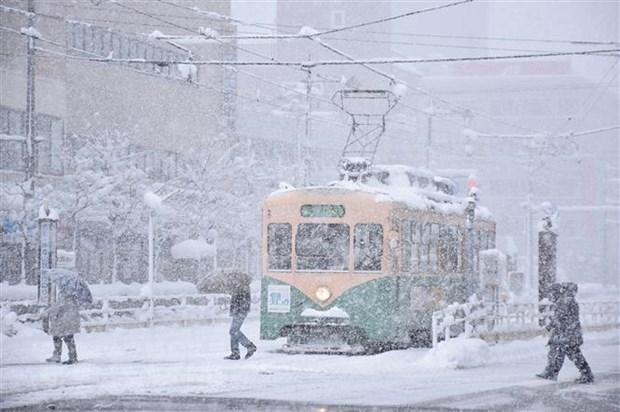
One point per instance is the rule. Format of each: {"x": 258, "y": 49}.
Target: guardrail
{"x": 135, "y": 311}
{"x": 512, "y": 321}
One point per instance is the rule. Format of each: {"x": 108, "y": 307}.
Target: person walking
{"x": 62, "y": 321}
{"x": 566, "y": 337}
{"x": 239, "y": 284}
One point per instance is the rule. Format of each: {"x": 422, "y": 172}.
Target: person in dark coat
{"x": 566, "y": 337}
{"x": 239, "y": 308}
{"x": 62, "y": 321}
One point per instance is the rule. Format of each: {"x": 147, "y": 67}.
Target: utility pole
{"x": 470, "y": 217}
{"x": 529, "y": 221}
{"x": 429, "y": 131}
{"x": 306, "y": 145}
{"x": 29, "y": 161}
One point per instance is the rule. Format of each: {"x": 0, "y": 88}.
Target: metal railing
{"x": 497, "y": 322}
{"x": 135, "y": 311}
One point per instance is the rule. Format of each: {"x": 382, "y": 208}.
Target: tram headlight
{"x": 322, "y": 293}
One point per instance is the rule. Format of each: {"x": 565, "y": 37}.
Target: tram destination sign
{"x": 322, "y": 210}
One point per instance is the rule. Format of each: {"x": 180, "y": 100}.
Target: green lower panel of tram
{"x": 389, "y": 310}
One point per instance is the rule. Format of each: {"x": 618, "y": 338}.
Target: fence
{"x": 135, "y": 311}
{"x": 512, "y": 321}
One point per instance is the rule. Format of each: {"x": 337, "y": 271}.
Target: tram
{"x": 359, "y": 267}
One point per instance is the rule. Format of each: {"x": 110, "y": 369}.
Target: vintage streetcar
{"x": 356, "y": 267}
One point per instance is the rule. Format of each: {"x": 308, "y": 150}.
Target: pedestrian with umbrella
{"x": 240, "y": 301}
{"x": 62, "y": 318}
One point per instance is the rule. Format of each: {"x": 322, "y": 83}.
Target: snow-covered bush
{"x": 8, "y": 322}
{"x": 458, "y": 353}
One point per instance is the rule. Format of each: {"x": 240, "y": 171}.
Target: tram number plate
{"x": 279, "y": 298}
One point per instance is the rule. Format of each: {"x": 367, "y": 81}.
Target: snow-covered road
{"x": 175, "y": 361}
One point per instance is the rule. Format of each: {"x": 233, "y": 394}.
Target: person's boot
{"x": 233, "y": 356}
{"x": 545, "y": 375}
{"x": 55, "y": 358}
{"x": 250, "y": 352}
{"x": 586, "y": 377}
{"x": 72, "y": 351}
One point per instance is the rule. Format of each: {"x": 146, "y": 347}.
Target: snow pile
{"x": 152, "y": 200}
{"x": 399, "y": 90}
{"x": 208, "y": 32}
{"x": 156, "y": 34}
{"x": 135, "y": 289}
{"x": 30, "y": 32}
{"x": 8, "y": 322}
{"x": 165, "y": 288}
{"x": 307, "y": 31}
{"x": 17, "y": 292}
{"x": 597, "y": 292}
{"x": 458, "y": 353}
{"x": 192, "y": 249}
{"x": 188, "y": 71}
{"x": 47, "y": 213}
{"x": 549, "y": 223}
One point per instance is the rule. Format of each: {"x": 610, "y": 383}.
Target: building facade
{"x": 83, "y": 87}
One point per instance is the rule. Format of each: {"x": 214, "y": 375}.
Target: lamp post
{"x": 470, "y": 216}
{"x": 212, "y": 238}
{"x": 154, "y": 203}
{"x": 48, "y": 221}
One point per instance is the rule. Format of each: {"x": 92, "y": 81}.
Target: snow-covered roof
{"x": 48, "y": 213}
{"x": 417, "y": 188}
{"x": 192, "y": 249}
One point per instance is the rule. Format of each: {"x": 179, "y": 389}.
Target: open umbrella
{"x": 70, "y": 286}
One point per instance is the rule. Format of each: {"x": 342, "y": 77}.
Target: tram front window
{"x": 322, "y": 246}
{"x": 279, "y": 246}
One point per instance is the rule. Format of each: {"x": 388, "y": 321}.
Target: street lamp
{"x": 48, "y": 223}
{"x": 154, "y": 203}
{"x": 212, "y": 238}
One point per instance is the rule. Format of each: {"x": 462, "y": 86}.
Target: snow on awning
{"x": 192, "y": 249}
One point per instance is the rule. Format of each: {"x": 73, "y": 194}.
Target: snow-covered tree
{"x": 103, "y": 183}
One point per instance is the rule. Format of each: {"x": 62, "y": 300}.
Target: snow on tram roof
{"x": 417, "y": 188}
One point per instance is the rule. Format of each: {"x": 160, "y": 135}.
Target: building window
{"x": 100, "y": 41}
{"x": 49, "y": 132}
{"x": 337, "y": 19}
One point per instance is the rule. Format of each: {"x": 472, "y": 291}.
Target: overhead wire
{"x": 285, "y": 109}
{"x": 350, "y": 27}
{"x": 272, "y": 26}
{"x": 467, "y": 37}
{"x": 64, "y": 55}
{"x": 368, "y": 67}
{"x": 356, "y": 26}
{"x": 317, "y": 63}
{"x": 585, "y": 110}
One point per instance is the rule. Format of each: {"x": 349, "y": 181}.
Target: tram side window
{"x": 368, "y": 246}
{"x": 415, "y": 246}
{"x": 322, "y": 246}
{"x": 424, "y": 246}
{"x": 411, "y": 246}
{"x": 433, "y": 256}
{"x": 477, "y": 248}
{"x": 429, "y": 241}
{"x": 279, "y": 246}
{"x": 491, "y": 236}
{"x": 449, "y": 248}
